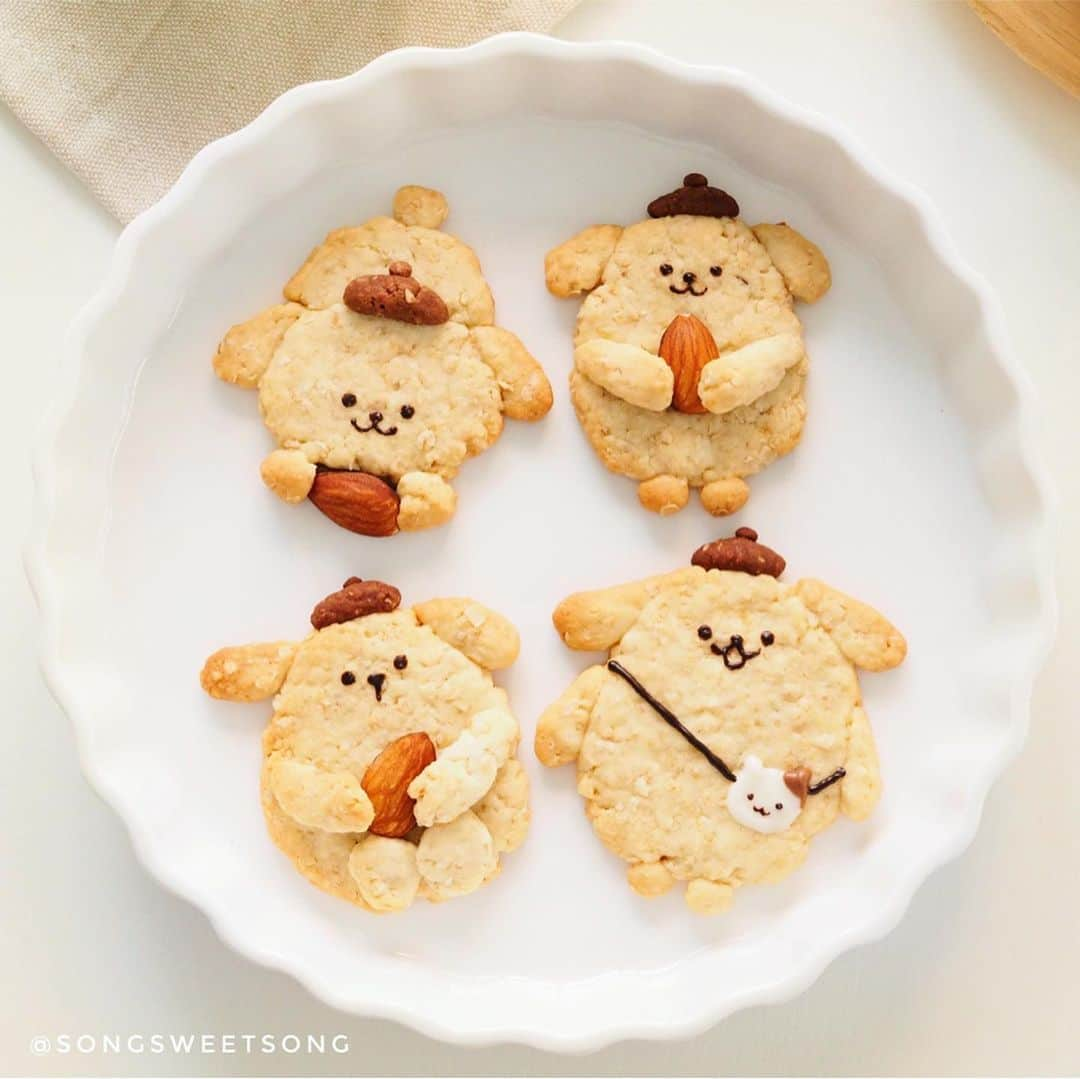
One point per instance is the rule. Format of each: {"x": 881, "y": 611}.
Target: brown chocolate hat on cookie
{"x": 398, "y": 295}
{"x": 695, "y": 197}
{"x": 741, "y": 553}
{"x": 355, "y": 599}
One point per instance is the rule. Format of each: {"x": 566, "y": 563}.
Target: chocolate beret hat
{"x": 695, "y": 197}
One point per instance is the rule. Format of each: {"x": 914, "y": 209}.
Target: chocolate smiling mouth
{"x": 376, "y": 419}
{"x": 734, "y": 653}
{"x": 763, "y": 812}
{"x": 689, "y": 288}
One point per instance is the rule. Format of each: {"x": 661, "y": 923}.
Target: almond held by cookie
{"x": 725, "y": 728}
{"x": 689, "y": 362}
{"x": 686, "y": 347}
{"x": 387, "y": 370}
{"x": 390, "y": 768}
{"x": 357, "y": 501}
{"x": 387, "y": 782}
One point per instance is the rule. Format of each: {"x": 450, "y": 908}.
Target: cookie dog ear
{"x": 595, "y": 621}
{"x": 867, "y": 638}
{"x": 802, "y": 265}
{"x": 246, "y": 350}
{"x": 423, "y": 206}
{"x": 248, "y": 672}
{"x": 486, "y": 637}
{"x": 578, "y": 264}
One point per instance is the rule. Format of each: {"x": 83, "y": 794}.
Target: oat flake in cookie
{"x": 383, "y": 371}
{"x": 726, "y": 728}
{"x": 689, "y": 361}
{"x": 389, "y": 764}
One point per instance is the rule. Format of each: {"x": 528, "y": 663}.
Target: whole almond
{"x": 357, "y": 501}
{"x": 686, "y": 347}
{"x": 387, "y": 780}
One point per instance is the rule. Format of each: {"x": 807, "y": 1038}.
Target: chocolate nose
{"x": 689, "y": 277}
{"x": 375, "y": 417}
{"x": 376, "y": 682}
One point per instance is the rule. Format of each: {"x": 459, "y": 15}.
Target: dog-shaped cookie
{"x": 689, "y": 361}
{"x": 389, "y": 767}
{"x": 727, "y": 727}
{"x": 383, "y": 371}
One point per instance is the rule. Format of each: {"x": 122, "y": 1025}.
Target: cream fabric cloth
{"x": 124, "y": 92}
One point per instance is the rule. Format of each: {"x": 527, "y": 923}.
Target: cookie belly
{"x": 641, "y": 444}
{"x": 322, "y": 857}
{"x": 650, "y": 801}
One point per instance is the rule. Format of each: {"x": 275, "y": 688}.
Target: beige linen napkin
{"x": 125, "y": 92}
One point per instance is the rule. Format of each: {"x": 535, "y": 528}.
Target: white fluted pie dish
{"x": 916, "y": 488}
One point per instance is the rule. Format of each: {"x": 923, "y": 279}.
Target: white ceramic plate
{"x": 915, "y": 488}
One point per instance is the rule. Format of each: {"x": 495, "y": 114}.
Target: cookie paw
{"x": 664, "y": 494}
{"x": 427, "y": 500}
{"x": 722, "y": 497}
{"x": 384, "y": 871}
{"x": 455, "y": 858}
{"x": 650, "y": 878}
{"x": 709, "y": 896}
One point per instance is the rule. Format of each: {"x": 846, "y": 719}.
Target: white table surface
{"x": 981, "y": 976}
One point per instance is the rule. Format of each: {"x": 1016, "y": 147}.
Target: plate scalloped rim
{"x": 459, "y": 1023}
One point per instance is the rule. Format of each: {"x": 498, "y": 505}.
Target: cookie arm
{"x": 248, "y": 672}
{"x": 484, "y": 635}
{"x": 578, "y": 264}
{"x": 866, "y": 637}
{"x": 861, "y": 787}
{"x": 289, "y": 474}
{"x": 465, "y": 769}
{"x": 425, "y": 500}
{"x": 526, "y": 392}
{"x": 738, "y": 377}
{"x": 633, "y": 374}
{"x": 317, "y": 798}
{"x": 803, "y": 267}
{"x": 561, "y": 728}
{"x": 246, "y": 350}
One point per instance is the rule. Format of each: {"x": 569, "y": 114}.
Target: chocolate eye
{"x": 348, "y": 399}
{"x": 407, "y": 412}
{"x": 347, "y": 678}
{"x": 666, "y": 269}
{"x": 716, "y": 271}
{"x": 767, "y": 638}
{"x": 749, "y": 797}
{"x": 779, "y": 805}
{"x": 704, "y": 632}
{"x": 401, "y": 662}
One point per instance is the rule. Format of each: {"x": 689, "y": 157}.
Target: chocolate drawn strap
{"x": 671, "y": 719}
{"x": 828, "y": 781}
